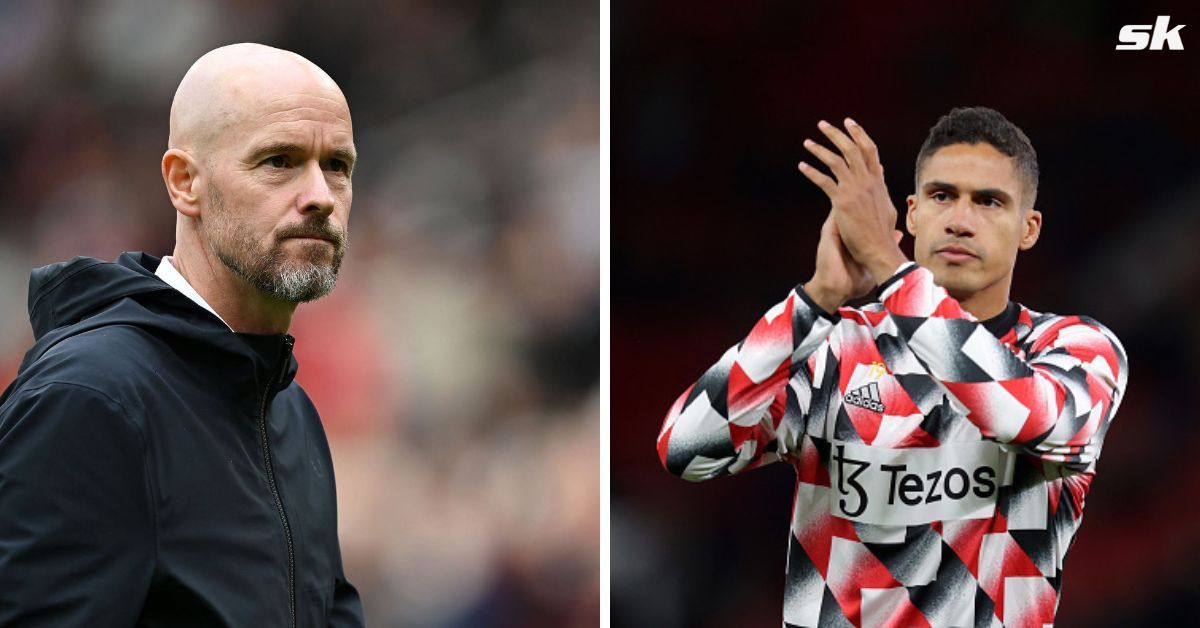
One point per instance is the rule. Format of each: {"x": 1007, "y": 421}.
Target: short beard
{"x": 268, "y": 269}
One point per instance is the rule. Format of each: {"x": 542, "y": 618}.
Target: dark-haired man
{"x": 944, "y": 437}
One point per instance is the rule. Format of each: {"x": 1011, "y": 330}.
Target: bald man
{"x": 159, "y": 465}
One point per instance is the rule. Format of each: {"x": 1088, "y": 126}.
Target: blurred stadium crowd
{"x": 456, "y": 365}
{"x": 711, "y": 225}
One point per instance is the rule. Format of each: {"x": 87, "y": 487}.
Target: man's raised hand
{"x": 838, "y": 278}
{"x": 862, "y": 210}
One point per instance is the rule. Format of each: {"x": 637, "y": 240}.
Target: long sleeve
{"x": 347, "y": 606}
{"x": 727, "y": 422}
{"x": 77, "y": 534}
{"x": 347, "y": 610}
{"x": 1056, "y": 401}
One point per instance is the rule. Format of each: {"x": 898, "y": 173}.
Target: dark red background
{"x": 711, "y": 225}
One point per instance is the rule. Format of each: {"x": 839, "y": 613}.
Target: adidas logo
{"x": 866, "y": 397}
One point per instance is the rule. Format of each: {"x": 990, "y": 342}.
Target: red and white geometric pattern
{"x": 1043, "y": 386}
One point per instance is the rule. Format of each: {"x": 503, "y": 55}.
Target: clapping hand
{"x": 860, "y": 245}
{"x": 862, "y": 210}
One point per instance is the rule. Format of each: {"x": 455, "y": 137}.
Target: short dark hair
{"x": 972, "y": 125}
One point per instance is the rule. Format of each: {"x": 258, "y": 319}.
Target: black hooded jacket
{"x": 157, "y": 469}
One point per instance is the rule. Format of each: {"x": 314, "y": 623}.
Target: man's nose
{"x": 962, "y": 219}
{"x": 315, "y": 193}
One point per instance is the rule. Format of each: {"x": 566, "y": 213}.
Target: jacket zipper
{"x": 287, "y": 529}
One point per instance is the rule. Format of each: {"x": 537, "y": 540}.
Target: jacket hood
{"x": 65, "y": 293}
{"x": 83, "y": 294}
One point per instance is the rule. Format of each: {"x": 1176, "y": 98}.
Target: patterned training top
{"x": 941, "y": 462}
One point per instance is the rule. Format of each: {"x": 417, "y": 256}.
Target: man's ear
{"x": 1031, "y": 228}
{"x": 910, "y": 223}
{"x": 180, "y": 173}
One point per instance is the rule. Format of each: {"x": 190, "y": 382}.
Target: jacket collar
{"x": 84, "y": 294}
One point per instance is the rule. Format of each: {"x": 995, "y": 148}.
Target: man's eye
{"x": 276, "y": 161}
{"x": 337, "y": 165}
{"x": 939, "y": 196}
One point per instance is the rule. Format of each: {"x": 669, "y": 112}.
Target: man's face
{"x": 278, "y": 200}
{"x": 967, "y": 218}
